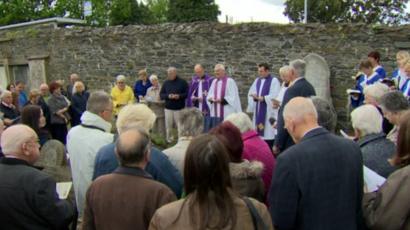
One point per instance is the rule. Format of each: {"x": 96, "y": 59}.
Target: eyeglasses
{"x": 120, "y": 82}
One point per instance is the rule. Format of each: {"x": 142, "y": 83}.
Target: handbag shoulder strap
{"x": 256, "y": 218}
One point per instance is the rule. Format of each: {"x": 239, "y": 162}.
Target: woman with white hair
{"x": 159, "y": 166}
{"x": 153, "y": 91}
{"x": 254, "y": 147}
{"x": 376, "y": 149}
{"x": 121, "y": 94}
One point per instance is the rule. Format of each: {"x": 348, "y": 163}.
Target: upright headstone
{"x": 318, "y": 74}
{"x": 53, "y": 161}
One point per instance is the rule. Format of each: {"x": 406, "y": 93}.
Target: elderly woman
{"x": 284, "y": 76}
{"x": 159, "y": 165}
{"x": 376, "y": 149}
{"x": 10, "y": 112}
{"x": 246, "y": 176}
{"x": 58, "y": 105}
{"x": 393, "y": 105}
{"x": 372, "y": 95}
{"x": 210, "y": 202}
{"x": 121, "y": 94}
{"x": 254, "y": 147}
{"x": 153, "y": 91}
{"x": 79, "y": 100}
{"x": 388, "y": 208}
{"x": 141, "y": 86}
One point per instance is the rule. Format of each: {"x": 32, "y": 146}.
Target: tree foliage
{"x": 158, "y": 10}
{"x": 192, "y": 10}
{"x": 366, "y": 11}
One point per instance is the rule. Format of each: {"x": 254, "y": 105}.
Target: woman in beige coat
{"x": 210, "y": 202}
{"x": 389, "y": 207}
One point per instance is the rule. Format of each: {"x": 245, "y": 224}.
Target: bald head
{"x": 74, "y": 77}
{"x": 20, "y": 141}
{"x": 199, "y": 70}
{"x": 300, "y": 116}
{"x": 133, "y": 146}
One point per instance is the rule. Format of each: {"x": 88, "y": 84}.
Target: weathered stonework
{"x": 98, "y": 54}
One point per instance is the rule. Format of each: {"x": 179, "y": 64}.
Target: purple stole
{"x": 261, "y": 106}
{"x": 193, "y": 91}
{"x": 221, "y": 107}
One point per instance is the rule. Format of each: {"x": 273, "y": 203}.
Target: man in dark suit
{"x": 28, "y": 198}
{"x": 318, "y": 183}
{"x": 298, "y": 87}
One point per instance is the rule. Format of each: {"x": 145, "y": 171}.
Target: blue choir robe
{"x": 380, "y": 70}
{"x": 399, "y": 78}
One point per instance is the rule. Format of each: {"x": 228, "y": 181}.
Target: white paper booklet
{"x": 63, "y": 189}
{"x": 372, "y": 180}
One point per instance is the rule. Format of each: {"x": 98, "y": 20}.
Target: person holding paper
{"x": 389, "y": 207}
{"x": 264, "y": 89}
{"x": 28, "y": 198}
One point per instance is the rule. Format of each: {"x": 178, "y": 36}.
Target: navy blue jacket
{"x": 159, "y": 167}
{"x": 177, "y": 86}
{"x": 301, "y": 88}
{"x": 140, "y": 89}
{"x": 318, "y": 184}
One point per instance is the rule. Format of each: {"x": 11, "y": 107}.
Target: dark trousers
{"x": 59, "y": 132}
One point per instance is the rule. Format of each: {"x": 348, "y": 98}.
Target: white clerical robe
{"x": 269, "y": 132}
{"x": 231, "y": 96}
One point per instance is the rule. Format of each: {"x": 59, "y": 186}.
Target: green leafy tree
{"x": 158, "y": 11}
{"x": 126, "y": 12}
{"x": 366, "y": 11}
{"x": 192, "y": 10}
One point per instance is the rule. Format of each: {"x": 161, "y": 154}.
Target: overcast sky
{"x": 254, "y": 10}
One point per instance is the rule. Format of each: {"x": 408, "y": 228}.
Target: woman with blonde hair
{"x": 399, "y": 75}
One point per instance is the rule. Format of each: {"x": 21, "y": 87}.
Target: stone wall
{"x": 98, "y": 54}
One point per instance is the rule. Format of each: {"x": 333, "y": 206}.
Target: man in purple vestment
{"x": 198, "y": 91}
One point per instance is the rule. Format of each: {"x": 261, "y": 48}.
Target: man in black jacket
{"x": 174, "y": 91}
{"x": 318, "y": 183}
{"x": 28, "y": 198}
{"x": 298, "y": 87}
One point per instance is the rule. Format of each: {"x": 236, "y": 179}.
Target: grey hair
{"x": 376, "y": 91}
{"x": 135, "y": 150}
{"x": 327, "y": 117}
{"x": 219, "y": 66}
{"x": 135, "y": 114}
{"x": 285, "y": 70}
{"x": 172, "y": 69}
{"x": 240, "y": 120}
{"x": 394, "y": 102}
{"x": 98, "y": 102}
{"x": 299, "y": 65}
{"x": 367, "y": 119}
{"x": 190, "y": 122}
{"x": 4, "y": 94}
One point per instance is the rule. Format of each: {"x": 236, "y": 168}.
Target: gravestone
{"x": 53, "y": 161}
{"x": 318, "y": 74}
{"x": 158, "y": 109}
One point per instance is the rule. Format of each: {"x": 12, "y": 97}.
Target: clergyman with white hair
{"x": 190, "y": 125}
{"x": 158, "y": 165}
{"x": 174, "y": 92}
{"x": 376, "y": 149}
{"x": 254, "y": 147}
{"x": 320, "y": 169}
{"x": 223, "y": 97}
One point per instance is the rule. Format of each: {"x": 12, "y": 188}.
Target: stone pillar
{"x": 37, "y": 71}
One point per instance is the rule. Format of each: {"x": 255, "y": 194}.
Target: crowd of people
{"x": 284, "y": 167}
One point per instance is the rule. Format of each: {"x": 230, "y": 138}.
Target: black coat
{"x": 78, "y": 106}
{"x": 318, "y": 184}
{"x": 28, "y": 198}
{"x": 301, "y": 88}
{"x": 8, "y": 112}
